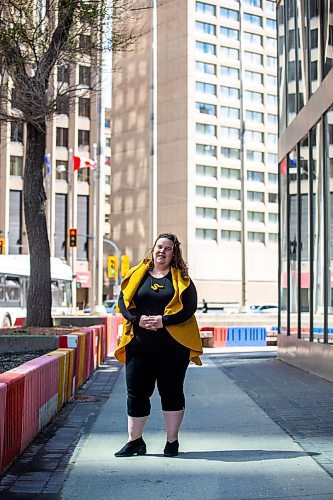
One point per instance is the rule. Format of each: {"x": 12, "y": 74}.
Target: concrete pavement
{"x": 255, "y": 428}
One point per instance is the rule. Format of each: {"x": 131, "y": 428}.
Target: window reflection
{"x": 283, "y": 247}
{"x": 293, "y": 240}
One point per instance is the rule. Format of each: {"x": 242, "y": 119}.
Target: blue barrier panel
{"x": 247, "y": 335}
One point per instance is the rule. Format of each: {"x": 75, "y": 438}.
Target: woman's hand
{"x": 151, "y": 322}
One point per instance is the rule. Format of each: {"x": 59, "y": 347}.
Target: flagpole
{"x": 71, "y": 196}
{"x": 94, "y": 232}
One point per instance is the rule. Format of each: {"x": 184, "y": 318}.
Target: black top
{"x": 150, "y": 299}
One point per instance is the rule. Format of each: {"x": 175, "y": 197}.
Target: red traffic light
{"x": 72, "y": 237}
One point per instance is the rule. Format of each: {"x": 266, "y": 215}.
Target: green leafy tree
{"x": 37, "y": 39}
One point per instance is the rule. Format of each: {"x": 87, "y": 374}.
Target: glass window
{"x": 206, "y": 234}
{"x": 84, "y": 107}
{"x": 204, "y": 67}
{"x": 85, "y": 41}
{"x": 16, "y": 132}
{"x": 207, "y": 28}
{"x": 206, "y": 128}
{"x": 82, "y": 227}
{"x": 272, "y": 100}
{"x": 229, "y": 235}
{"x": 273, "y": 238}
{"x": 255, "y": 116}
{"x": 206, "y": 171}
{"x": 228, "y": 112}
{"x": 271, "y": 61}
{"x": 232, "y": 153}
{"x": 15, "y": 222}
{"x": 272, "y": 119}
{"x": 254, "y": 3}
{"x": 253, "y": 58}
{"x": 230, "y": 33}
{"x": 272, "y": 198}
{"x": 269, "y": 5}
{"x": 63, "y": 74}
{"x": 272, "y": 178}
{"x": 205, "y": 108}
{"x": 270, "y": 23}
{"x": 256, "y": 216}
{"x": 107, "y": 123}
{"x": 62, "y": 137}
{"x": 230, "y": 173}
{"x": 206, "y": 191}
{"x": 16, "y": 166}
{"x": 62, "y": 104}
{"x": 271, "y": 81}
{"x": 231, "y": 92}
{"x": 257, "y": 156}
{"x": 227, "y": 214}
{"x": 230, "y": 132}
{"x": 230, "y": 53}
{"x": 256, "y": 237}
{"x": 83, "y": 140}
{"x": 229, "y": 13}
{"x": 254, "y": 176}
{"x": 271, "y": 43}
{"x": 251, "y": 18}
{"x": 253, "y": 136}
{"x": 84, "y": 75}
{"x": 230, "y": 194}
{"x": 61, "y": 170}
{"x": 205, "y": 8}
{"x": 228, "y": 72}
{"x": 254, "y": 77}
{"x": 206, "y": 48}
{"x": 257, "y": 196}
{"x": 273, "y": 218}
{"x": 254, "y": 96}
{"x": 60, "y": 241}
{"x": 253, "y": 38}
{"x": 206, "y": 88}
{"x": 272, "y": 159}
{"x": 206, "y": 213}
{"x": 206, "y": 150}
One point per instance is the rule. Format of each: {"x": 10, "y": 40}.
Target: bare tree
{"x": 38, "y": 38}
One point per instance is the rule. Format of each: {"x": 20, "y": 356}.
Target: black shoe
{"x": 171, "y": 449}
{"x": 136, "y": 447}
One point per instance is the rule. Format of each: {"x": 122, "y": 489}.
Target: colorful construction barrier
{"x": 32, "y": 393}
{"x": 234, "y": 336}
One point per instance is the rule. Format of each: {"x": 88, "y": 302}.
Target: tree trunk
{"x": 39, "y": 299}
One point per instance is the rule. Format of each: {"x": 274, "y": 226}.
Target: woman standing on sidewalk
{"x": 160, "y": 336}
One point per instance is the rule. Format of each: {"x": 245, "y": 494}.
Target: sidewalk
{"x": 255, "y": 428}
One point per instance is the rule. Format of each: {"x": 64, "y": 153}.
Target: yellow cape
{"x": 186, "y": 333}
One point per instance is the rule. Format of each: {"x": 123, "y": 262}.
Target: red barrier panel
{"x": 13, "y": 417}
{"x": 3, "y": 394}
{"x": 40, "y": 395}
{"x": 220, "y": 336}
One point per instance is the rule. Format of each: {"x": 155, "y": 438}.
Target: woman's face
{"x": 163, "y": 253}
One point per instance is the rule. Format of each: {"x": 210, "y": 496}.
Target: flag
{"x": 48, "y": 164}
{"x": 82, "y": 163}
{"x": 283, "y": 166}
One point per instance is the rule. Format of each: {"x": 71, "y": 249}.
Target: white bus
{"x": 14, "y": 280}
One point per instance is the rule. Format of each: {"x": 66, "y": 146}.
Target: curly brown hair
{"x": 177, "y": 258}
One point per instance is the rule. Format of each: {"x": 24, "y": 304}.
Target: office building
{"x": 194, "y": 143}
{"x": 305, "y": 46}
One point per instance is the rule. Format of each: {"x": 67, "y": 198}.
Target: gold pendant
{"x": 156, "y": 287}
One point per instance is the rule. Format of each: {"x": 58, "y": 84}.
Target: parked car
{"x": 264, "y": 308}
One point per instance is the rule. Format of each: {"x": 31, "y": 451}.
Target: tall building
{"x": 194, "y": 143}
{"x": 305, "y": 46}
{"x": 74, "y": 129}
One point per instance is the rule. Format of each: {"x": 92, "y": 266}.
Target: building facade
{"x": 194, "y": 144}
{"x": 75, "y": 130}
{"x": 305, "y": 46}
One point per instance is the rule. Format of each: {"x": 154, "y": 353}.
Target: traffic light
{"x": 2, "y": 246}
{"x": 112, "y": 266}
{"x": 72, "y": 237}
{"x": 125, "y": 265}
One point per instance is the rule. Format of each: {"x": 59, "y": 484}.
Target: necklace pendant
{"x": 156, "y": 287}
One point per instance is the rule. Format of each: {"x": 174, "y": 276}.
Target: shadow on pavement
{"x": 239, "y": 455}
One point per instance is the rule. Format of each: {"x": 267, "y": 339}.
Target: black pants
{"x": 144, "y": 370}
